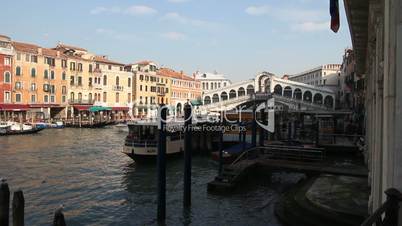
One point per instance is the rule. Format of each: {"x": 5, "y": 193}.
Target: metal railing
{"x": 387, "y": 214}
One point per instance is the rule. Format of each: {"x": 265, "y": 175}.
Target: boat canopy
{"x": 196, "y": 102}
{"x": 99, "y": 108}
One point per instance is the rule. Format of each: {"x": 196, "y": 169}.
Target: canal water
{"x": 85, "y": 171}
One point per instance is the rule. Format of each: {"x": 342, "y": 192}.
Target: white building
{"x": 322, "y": 75}
{"x": 212, "y": 81}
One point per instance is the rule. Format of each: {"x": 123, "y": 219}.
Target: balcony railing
{"x": 118, "y": 88}
{"x": 81, "y": 101}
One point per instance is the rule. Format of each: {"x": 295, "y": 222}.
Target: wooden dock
{"x": 273, "y": 158}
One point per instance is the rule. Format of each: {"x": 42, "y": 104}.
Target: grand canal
{"x": 85, "y": 171}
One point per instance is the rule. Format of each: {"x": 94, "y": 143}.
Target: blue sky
{"x": 236, "y": 37}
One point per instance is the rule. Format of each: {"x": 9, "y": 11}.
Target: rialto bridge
{"x": 296, "y": 95}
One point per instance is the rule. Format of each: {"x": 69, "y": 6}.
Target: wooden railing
{"x": 387, "y": 214}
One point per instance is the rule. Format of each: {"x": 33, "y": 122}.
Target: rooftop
{"x": 174, "y": 74}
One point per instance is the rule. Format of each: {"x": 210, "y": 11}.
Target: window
{"x": 79, "y": 67}
{"x": 7, "y": 97}
{"x": 105, "y": 80}
{"x": 63, "y": 76}
{"x": 46, "y": 74}
{"x": 18, "y": 56}
{"x": 52, "y": 75}
{"x": 18, "y": 71}
{"x": 18, "y": 85}
{"x": 34, "y": 58}
{"x": 109, "y": 67}
{"x": 141, "y": 77}
{"x": 146, "y": 88}
{"x": 27, "y": 57}
{"x": 129, "y": 82}
{"x": 52, "y": 99}
{"x": 117, "y": 97}
{"x": 79, "y": 80}
{"x": 72, "y": 96}
{"x": 63, "y": 63}
{"x": 63, "y": 90}
{"x": 33, "y": 98}
{"x": 33, "y": 72}
{"x": 90, "y": 68}
{"x": 18, "y": 97}
{"x": 71, "y": 80}
{"x": 90, "y": 82}
{"x": 117, "y": 81}
{"x": 90, "y": 97}
{"x": 129, "y": 97}
{"x": 72, "y": 66}
{"x": 63, "y": 99}
{"x": 33, "y": 86}
{"x": 79, "y": 96}
{"x": 7, "y": 61}
{"x": 46, "y": 99}
{"x": 104, "y": 96}
{"x": 140, "y": 87}
{"x": 7, "y": 77}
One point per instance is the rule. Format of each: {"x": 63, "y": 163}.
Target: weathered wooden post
{"x": 187, "y": 155}
{"x": 221, "y": 144}
{"x": 161, "y": 164}
{"x": 18, "y": 208}
{"x": 58, "y": 219}
{"x": 4, "y": 203}
{"x": 244, "y": 140}
{"x": 254, "y": 127}
{"x": 391, "y": 214}
{"x": 262, "y": 130}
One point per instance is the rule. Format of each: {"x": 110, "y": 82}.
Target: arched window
{"x": 52, "y": 75}
{"x": 33, "y": 72}
{"x": 232, "y": 94}
{"x": 117, "y": 97}
{"x": 117, "y": 81}
{"x": 207, "y": 100}
{"x": 105, "y": 80}
{"x": 307, "y": 96}
{"x": 215, "y": 98}
{"x": 46, "y": 74}
{"x": 241, "y": 92}
{"x": 80, "y": 96}
{"x": 329, "y": 101}
{"x": 18, "y": 71}
{"x": 63, "y": 76}
{"x": 7, "y": 77}
{"x": 224, "y": 96}
{"x": 278, "y": 90}
{"x": 317, "y": 98}
{"x": 250, "y": 89}
{"x": 72, "y": 96}
{"x": 287, "y": 92}
{"x": 297, "y": 94}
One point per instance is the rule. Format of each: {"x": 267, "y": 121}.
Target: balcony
{"x": 118, "y": 88}
{"x": 81, "y": 101}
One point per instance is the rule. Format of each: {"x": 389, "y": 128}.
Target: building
{"x": 375, "y": 28}
{"x": 150, "y": 88}
{"x": 183, "y": 89}
{"x": 6, "y": 61}
{"x": 327, "y": 76}
{"x": 40, "y": 80}
{"x": 211, "y": 81}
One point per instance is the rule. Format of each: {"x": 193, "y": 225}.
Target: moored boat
{"x": 141, "y": 142}
{"x": 13, "y": 128}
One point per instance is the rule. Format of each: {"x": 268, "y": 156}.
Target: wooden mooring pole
{"x": 187, "y": 155}
{"x": 254, "y": 127}
{"x": 18, "y": 208}
{"x": 221, "y": 145}
{"x": 161, "y": 165}
{"x": 4, "y": 203}
{"x": 58, "y": 219}
{"x": 262, "y": 130}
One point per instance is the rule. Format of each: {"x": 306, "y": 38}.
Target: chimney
{"x": 39, "y": 51}
{"x": 58, "y": 53}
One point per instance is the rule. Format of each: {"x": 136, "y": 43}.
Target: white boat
{"x": 142, "y": 140}
{"x": 14, "y": 128}
{"x": 122, "y": 127}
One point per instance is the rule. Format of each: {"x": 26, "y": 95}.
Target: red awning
{"x": 14, "y": 107}
{"x": 120, "y": 108}
{"x": 43, "y": 105}
{"x": 82, "y": 107}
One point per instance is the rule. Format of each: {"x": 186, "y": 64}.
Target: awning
{"x": 99, "y": 108}
{"x": 82, "y": 107}
{"x": 14, "y": 107}
{"x": 196, "y": 102}
{"x": 44, "y": 105}
{"x": 120, "y": 108}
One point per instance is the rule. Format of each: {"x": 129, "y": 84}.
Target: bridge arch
{"x": 287, "y": 92}
{"x": 278, "y": 89}
{"x": 232, "y": 94}
{"x": 241, "y": 92}
{"x": 307, "y": 96}
{"x": 317, "y": 98}
{"x": 261, "y": 81}
{"x": 207, "y": 100}
{"x": 250, "y": 90}
{"x": 224, "y": 96}
{"x": 215, "y": 98}
{"x": 297, "y": 94}
{"x": 329, "y": 101}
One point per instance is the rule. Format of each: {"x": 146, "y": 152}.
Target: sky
{"x": 238, "y": 38}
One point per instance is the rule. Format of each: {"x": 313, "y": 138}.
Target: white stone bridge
{"x": 296, "y": 95}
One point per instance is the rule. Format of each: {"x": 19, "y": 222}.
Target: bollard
{"x": 262, "y": 130}
{"x": 18, "y": 208}
{"x": 221, "y": 146}
{"x": 161, "y": 165}
{"x": 187, "y": 156}
{"x": 59, "y": 217}
{"x": 254, "y": 128}
{"x": 4, "y": 203}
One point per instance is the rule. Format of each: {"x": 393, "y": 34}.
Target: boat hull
{"x": 148, "y": 153}
{"x": 22, "y": 132}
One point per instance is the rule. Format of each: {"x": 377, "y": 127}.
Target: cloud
{"x": 175, "y": 36}
{"x": 136, "y": 10}
{"x": 176, "y": 17}
{"x": 311, "y": 26}
{"x": 177, "y": 1}
{"x": 257, "y": 10}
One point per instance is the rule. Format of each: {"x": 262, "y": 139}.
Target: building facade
{"x": 211, "y": 81}
{"x": 6, "y": 70}
{"x": 183, "y": 89}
